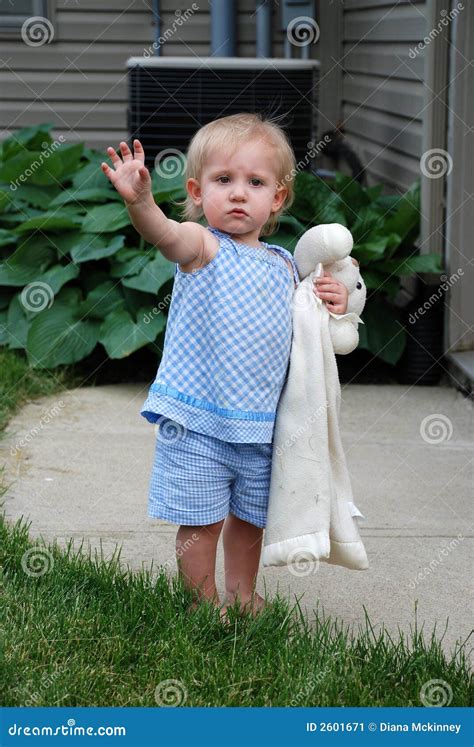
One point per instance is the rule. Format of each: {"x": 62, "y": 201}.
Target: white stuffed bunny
{"x": 328, "y": 247}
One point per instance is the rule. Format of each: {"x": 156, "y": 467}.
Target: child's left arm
{"x": 332, "y": 291}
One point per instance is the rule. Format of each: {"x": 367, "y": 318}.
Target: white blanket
{"x": 311, "y": 513}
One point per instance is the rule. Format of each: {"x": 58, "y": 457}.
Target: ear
{"x": 193, "y": 188}
{"x": 280, "y": 195}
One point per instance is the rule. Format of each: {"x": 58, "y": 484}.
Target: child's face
{"x": 245, "y": 181}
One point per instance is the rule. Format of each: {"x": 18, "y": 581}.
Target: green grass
{"x": 20, "y": 383}
{"x": 88, "y": 632}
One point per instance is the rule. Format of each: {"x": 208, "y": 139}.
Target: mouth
{"x": 237, "y": 211}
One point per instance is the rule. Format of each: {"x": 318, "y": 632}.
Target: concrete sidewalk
{"x": 78, "y": 465}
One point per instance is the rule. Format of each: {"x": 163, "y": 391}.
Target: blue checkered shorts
{"x": 198, "y": 479}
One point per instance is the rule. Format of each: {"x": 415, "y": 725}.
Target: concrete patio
{"x": 78, "y": 465}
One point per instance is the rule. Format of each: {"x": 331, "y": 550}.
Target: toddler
{"x": 227, "y": 344}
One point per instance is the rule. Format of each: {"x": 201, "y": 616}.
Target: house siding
{"x": 382, "y": 98}
{"x": 79, "y": 80}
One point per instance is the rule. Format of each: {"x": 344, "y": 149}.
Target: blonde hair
{"x": 226, "y": 134}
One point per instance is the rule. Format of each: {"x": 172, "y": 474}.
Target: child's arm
{"x": 178, "y": 242}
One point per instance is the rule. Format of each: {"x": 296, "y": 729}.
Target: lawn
{"x": 78, "y": 630}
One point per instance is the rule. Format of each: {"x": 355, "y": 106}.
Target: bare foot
{"x": 222, "y": 608}
{"x": 253, "y": 604}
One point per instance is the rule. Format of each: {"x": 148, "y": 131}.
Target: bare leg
{"x": 242, "y": 547}
{"x": 196, "y": 558}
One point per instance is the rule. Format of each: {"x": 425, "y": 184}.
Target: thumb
{"x": 143, "y": 172}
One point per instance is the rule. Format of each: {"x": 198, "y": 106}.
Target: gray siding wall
{"x": 79, "y": 82}
{"x": 382, "y": 87}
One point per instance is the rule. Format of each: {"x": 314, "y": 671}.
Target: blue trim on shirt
{"x": 205, "y": 405}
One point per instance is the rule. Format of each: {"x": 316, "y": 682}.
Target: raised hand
{"x": 130, "y": 177}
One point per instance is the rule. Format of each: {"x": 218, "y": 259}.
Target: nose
{"x": 237, "y": 192}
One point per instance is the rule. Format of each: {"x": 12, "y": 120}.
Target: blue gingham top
{"x": 227, "y": 343}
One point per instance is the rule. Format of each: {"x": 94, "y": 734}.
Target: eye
{"x": 259, "y": 181}
{"x": 222, "y": 177}
{"x": 359, "y": 286}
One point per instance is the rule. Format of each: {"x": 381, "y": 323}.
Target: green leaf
{"x": 33, "y": 167}
{"x": 7, "y": 237}
{"x": 371, "y": 250}
{"x": 32, "y": 138}
{"x": 102, "y": 301}
{"x": 56, "y": 337}
{"x": 4, "y": 328}
{"x": 106, "y": 218}
{"x": 121, "y": 336}
{"x": 410, "y": 265}
{"x": 153, "y": 275}
{"x": 90, "y": 246}
{"x": 26, "y": 263}
{"x": 56, "y": 221}
{"x": 40, "y": 197}
{"x": 91, "y": 176}
{"x": 18, "y": 324}
{"x": 93, "y": 194}
{"x": 406, "y": 216}
{"x": 169, "y": 184}
{"x": 128, "y": 261}
{"x": 382, "y": 332}
{"x": 58, "y": 276}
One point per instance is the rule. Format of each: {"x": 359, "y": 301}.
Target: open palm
{"x": 130, "y": 177}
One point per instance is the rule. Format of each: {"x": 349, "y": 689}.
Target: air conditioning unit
{"x": 172, "y": 97}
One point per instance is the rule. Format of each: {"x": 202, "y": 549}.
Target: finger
{"x": 107, "y": 170}
{"x": 138, "y": 151}
{"x": 116, "y": 160}
{"x": 126, "y": 152}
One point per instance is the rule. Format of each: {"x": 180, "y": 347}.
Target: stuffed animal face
{"x": 331, "y": 245}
